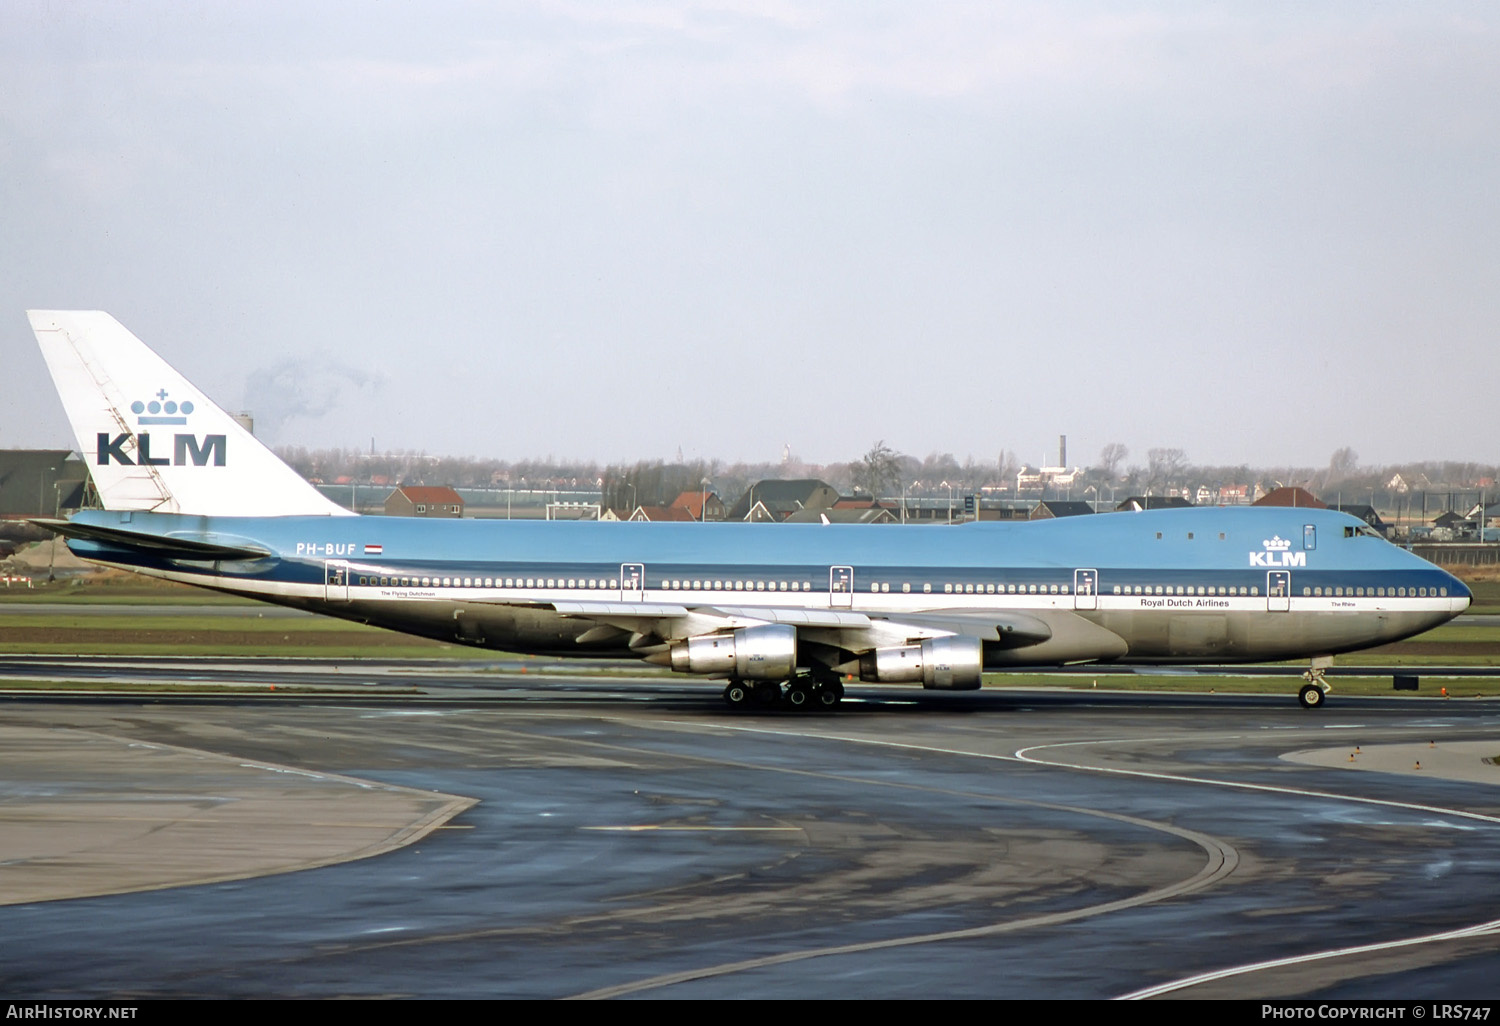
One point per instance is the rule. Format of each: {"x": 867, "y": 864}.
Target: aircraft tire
{"x": 798, "y": 696}
{"x": 737, "y": 695}
{"x": 1311, "y": 696}
{"x": 828, "y": 697}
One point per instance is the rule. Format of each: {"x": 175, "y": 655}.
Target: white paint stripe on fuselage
{"x": 882, "y": 603}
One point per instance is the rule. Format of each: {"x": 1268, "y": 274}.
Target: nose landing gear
{"x": 1315, "y": 692}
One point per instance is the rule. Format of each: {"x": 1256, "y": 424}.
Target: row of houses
{"x": 47, "y": 482}
{"x": 804, "y": 501}
{"x": 1039, "y": 480}
{"x": 814, "y": 501}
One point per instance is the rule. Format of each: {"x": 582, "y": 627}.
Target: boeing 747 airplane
{"x": 781, "y": 613}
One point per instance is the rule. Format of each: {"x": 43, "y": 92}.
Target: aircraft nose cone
{"x": 1460, "y": 593}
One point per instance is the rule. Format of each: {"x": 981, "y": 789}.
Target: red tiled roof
{"x": 431, "y": 494}
{"x": 1291, "y": 496}
{"x": 692, "y": 502}
{"x": 659, "y": 513}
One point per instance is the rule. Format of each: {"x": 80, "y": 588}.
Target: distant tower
{"x": 786, "y": 454}
{"x": 1062, "y": 450}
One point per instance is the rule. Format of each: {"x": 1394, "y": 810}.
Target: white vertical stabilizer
{"x": 151, "y": 440}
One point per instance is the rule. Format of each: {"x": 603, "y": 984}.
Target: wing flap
{"x": 1013, "y": 628}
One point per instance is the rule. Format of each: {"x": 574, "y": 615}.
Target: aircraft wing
{"x": 1040, "y": 636}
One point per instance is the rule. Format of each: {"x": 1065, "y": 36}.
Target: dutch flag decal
{"x": 373, "y": 550}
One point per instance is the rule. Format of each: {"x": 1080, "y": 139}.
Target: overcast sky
{"x": 1254, "y": 231}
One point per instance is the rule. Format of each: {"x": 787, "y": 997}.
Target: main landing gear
{"x": 1315, "y": 692}
{"x": 805, "y": 691}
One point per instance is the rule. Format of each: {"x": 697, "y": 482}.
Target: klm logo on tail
{"x": 186, "y": 448}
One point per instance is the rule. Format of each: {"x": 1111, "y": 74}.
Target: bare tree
{"x": 1166, "y": 465}
{"x": 1111, "y": 456}
{"x": 651, "y": 484}
{"x": 1342, "y": 464}
{"x": 878, "y": 471}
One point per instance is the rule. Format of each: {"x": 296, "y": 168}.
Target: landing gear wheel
{"x": 767, "y": 695}
{"x": 798, "y": 696}
{"x": 737, "y": 694}
{"x": 1312, "y": 696}
{"x": 828, "y": 697}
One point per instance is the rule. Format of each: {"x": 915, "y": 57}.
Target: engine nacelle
{"x": 767, "y": 652}
{"x": 945, "y": 664}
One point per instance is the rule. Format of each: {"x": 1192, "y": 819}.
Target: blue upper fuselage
{"x": 1225, "y": 545}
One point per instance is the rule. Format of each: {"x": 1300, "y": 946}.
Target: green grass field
{"x": 247, "y": 635}
{"x": 1486, "y": 594}
{"x": 123, "y": 589}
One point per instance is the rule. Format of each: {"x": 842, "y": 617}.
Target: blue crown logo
{"x": 161, "y": 410}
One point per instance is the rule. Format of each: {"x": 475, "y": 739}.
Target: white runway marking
{"x": 1478, "y": 930}
{"x": 1025, "y": 755}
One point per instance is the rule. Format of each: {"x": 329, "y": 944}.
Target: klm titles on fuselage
{"x": 186, "y": 449}
{"x": 1277, "y": 552}
{"x": 1278, "y": 559}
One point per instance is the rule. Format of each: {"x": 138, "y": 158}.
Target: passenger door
{"x": 1085, "y": 589}
{"x": 632, "y": 581}
{"x": 336, "y": 580}
{"x": 841, "y": 586}
{"x": 1279, "y": 591}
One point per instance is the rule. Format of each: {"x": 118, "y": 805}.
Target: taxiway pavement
{"x": 587, "y": 836}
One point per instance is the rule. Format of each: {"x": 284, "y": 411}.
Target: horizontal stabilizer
{"x": 167, "y": 546}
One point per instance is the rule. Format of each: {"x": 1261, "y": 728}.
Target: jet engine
{"x": 767, "y": 652}
{"x": 946, "y": 664}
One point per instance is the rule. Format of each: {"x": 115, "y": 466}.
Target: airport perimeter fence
{"x": 1459, "y": 553}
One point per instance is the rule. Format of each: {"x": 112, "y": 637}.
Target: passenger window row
{"x": 679, "y": 584}
{"x": 1378, "y": 592}
{"x": 877, "y": 588}
{"x": 490, "y": 582}
{"x": 1181, "y": 589}
{"x": 739, "y": 585}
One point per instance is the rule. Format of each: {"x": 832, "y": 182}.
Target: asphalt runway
{"x": 555, "y": 836}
